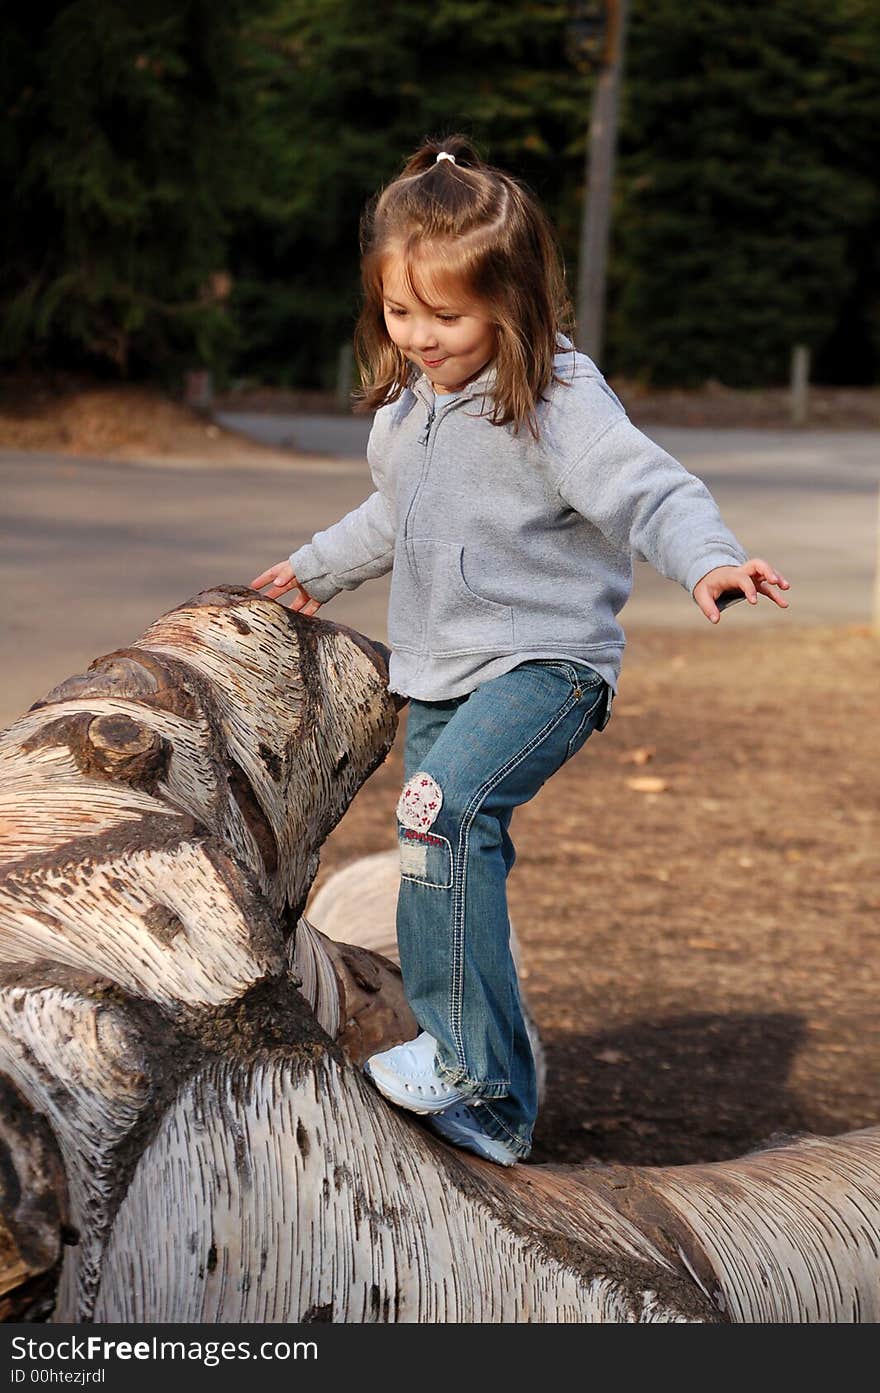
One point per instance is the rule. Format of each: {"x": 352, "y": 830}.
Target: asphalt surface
{"x": 92, "y": 550}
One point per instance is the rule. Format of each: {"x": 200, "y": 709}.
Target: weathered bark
{"x": 160, "y": 820}
{"x": 192, "y": 1045}
{"x": 33, "y": 1205}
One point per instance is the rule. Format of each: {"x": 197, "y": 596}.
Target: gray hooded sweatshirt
{"x": 503, "y": 548}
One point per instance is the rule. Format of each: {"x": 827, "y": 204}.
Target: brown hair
{"x": 485, "y": 232}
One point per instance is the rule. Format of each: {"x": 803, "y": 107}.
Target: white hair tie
{"x": 443, "y": 156}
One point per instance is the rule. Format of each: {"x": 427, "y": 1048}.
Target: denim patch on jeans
{"x": 425, "y": 858}
{"x": 468, "y": 763}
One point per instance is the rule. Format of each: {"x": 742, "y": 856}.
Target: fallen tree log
{"x": 193, "y": 1044}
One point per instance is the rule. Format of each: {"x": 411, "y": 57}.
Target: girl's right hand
{"x": 278, "y": 580}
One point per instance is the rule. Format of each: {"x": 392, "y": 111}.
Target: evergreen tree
{"x": 342, "y": 93}
{"x": 184, "y": 181}
{"x": 125, "y": 149}
{"x": 748, "y": 206}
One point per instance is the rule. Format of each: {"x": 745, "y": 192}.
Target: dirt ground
{"x": 703, "y": 951}
{"x": 114, "y": 423}
{"x": 703, "y": 959}
{"x": 712, "y": 405}
{"x": 64, "y": 416}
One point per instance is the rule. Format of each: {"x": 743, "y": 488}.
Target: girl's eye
{"x": 449, "y": 318}
{"x": 392, "y": 310}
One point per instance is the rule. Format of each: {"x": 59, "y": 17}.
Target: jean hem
{"x": 473, "y": 1088}
{"x": 495, "y": 1128}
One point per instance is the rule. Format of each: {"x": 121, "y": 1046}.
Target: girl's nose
{"x": 424, "y": 337}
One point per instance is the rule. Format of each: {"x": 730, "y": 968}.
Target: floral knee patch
{"x": 420, "y": 802}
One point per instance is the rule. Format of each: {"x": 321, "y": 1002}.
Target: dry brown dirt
{"x": 125, "y": 422}
{"x": 712, "y": 405}
{"x": 66, "y": 416}
{"x": 703, "y": 959}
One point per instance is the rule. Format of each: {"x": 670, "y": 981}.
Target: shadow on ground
{"x": 671, "y": 1092}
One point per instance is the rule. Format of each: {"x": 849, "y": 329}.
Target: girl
{"x": 510, "y": 492}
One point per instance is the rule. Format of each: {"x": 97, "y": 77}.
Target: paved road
{"x": 92, "y": 550}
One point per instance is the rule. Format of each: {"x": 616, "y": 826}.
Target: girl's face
{"x": 449, "y": 340}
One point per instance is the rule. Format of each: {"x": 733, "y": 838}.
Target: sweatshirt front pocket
{"x": 435, "y": 597}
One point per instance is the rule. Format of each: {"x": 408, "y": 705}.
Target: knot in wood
{"x": 125, "y": 748}
{"x": 121, "y": 735}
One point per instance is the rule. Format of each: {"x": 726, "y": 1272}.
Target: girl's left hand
{"x": 754, "y": 577}
{"x": 278, "y": 580}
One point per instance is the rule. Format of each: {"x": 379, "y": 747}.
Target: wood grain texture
{"x": 185, "y": 1047}
{"x": 160, "y": 821}
{"x": 787, "y": 1235}
{"x": 173, "y": 923}
{"x": 93, "y": 1069}
{"x": 335, "y": 1207}
{"x": 357, "y": 995}
{"x": 33, "y": 1201}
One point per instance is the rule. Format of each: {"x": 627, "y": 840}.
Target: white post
{"x": 800, "y": 377}
{"x": 876, "y": 615}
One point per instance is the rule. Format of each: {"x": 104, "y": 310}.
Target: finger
{"x": 279, "y": 587}
{"x": 301, "y": 602}
{"x": 263, "y": 579}
{"x": 706, "y": 603}
{"x": 742, "y": 582}
{"x": 775, "y": 577}
{"x": 764, "y": 588}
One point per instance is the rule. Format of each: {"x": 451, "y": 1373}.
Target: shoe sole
{"x": 408, "y": 1100}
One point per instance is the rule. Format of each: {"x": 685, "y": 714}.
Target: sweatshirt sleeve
{"x": 359, "y": 547}
{"x": 644, "y": 500}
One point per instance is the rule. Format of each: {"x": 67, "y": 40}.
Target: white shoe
{"x": 460, "y": 1125}
{"x": 407, "y": 1075}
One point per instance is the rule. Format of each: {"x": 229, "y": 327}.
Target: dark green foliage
{"x": 125, "y": 150}
{"x": 343, "y": 92}
{"x": 748, "y": 205}
{"x": 184, "y": 180}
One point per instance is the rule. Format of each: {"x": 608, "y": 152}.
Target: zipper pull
{"x": 423, "y": 439}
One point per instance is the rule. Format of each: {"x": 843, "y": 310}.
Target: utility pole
{"x": 599, "y": 182}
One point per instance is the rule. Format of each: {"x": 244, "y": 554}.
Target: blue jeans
{"x": 468, "y": 763}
